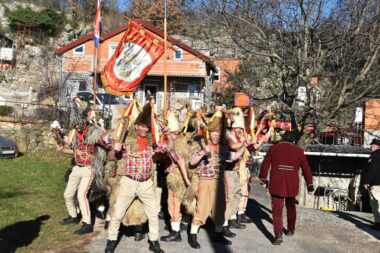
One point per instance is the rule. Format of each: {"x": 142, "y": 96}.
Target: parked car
{"x": 104, "y": 102}
{"x": 8, "y": 148}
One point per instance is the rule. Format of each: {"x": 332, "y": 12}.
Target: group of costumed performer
{"x": 206, "y": 170}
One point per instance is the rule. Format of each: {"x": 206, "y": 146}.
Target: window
{"x": 178, "y": 54}
{"x": 193, "y": 90}
{"x": 111, "y": 50}
{"x": 216, "y": 74}
{"x": 79, "y": 50}
{"x": 82, "y": 85}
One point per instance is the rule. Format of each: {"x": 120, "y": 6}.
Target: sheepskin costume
{"x": 81, "y": 114}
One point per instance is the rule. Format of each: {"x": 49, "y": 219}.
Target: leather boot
{"x": 290, "y": 233}
{"x": 221, "y": 239}
{"x": 70, "y": 220}
{"x": 192, "y": 239}
{"x": 111, "y": 246}
{"x": 277, "y": 239}
{"x": 227, "y": 232}
{"x": 242, "y": 218}
{"x": 174, "y": 236}
{"x": 139, "y": 236}
{"x": 234, "y": 224}
{"x": 85, "y": 229}
{"x": 155, "y": 246}
{"x": 376, "y": 226}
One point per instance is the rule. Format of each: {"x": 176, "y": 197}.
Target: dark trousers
{"x": 277, "y": 206}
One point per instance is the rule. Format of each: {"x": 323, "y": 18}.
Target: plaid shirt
{"x": 173, "y": 156}
{"x": 138, "y": 166}
{"x": 233, "y": 165}
{"x": 212, "y": 166}
{"x": 83, "y": 154}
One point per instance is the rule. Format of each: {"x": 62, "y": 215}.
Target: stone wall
{"x": 29, "y": 136}
{"x": 336, "y": 193}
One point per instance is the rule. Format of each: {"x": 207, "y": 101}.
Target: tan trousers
{"x": 174, "y": 207}
{"x": 79, "y": 180}
{"x": 375, "y": 202}
{"x": 233, "y": 193}
{"x": 244, "y": 175}
{"x": 127, "y": 191}
{"x": 210, "y": 201}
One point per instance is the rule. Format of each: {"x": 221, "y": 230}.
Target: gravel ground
{"x": 316, "y": 231}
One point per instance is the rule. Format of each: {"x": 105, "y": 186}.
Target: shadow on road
{"x": 258, "y": 213}
{"x": 20, "y": 234}
{"x": 360, "y": 222}
{"x": 209, "y": 227}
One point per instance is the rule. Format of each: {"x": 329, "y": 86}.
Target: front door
{"x": 152, "y": 88}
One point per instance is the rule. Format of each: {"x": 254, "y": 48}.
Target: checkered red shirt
{"x": 173, "y": 155}
{"x": 212, "y": 167}
{"x": 139, "y": 165}
{"x": 83, "y": 154}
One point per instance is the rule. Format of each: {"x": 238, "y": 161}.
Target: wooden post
{"x": 165, "y": 66}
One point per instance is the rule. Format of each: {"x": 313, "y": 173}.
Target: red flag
{"x": 135, "y": 55}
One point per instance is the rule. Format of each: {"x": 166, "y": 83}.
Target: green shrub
{"x": 5, "y": 110}
{"x": 47, "y": 20}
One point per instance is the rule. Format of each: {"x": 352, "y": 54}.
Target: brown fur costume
{"x": 174, "y": 179}
{"x": 190, "y": 196}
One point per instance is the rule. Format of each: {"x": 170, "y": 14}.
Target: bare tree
{"x": 284, "y": 44}
{"x": 153, "y": 11}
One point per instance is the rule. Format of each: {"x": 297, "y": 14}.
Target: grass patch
{"x": 32, "y": 204}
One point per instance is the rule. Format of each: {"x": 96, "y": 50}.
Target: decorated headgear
{"x": 148, "y": 117}
{"x": 238, "y": 118}
{"x": 78, "y": 114}
{"x": 145, "y": 116}
{"x": 216, "y": 123}
{"x": 173, "y": 123}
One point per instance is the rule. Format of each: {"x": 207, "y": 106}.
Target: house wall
{"x": 186, "y": 77}
{"x": 372, "y": 115}
{"x": 190, "y": 88}
{"x": 189, "y": 65}
{"x": 226, "y": 67}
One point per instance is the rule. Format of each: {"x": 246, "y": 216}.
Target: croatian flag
{"x": 97, "y": 24}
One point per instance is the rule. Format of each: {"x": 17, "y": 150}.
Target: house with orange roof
{"x": 189, "y": 71}
{"x": 224, "y": 68}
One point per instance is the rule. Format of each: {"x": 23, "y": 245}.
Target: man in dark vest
{"x": 285, "y": 160}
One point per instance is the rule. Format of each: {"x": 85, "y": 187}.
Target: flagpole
{"x": 96, "y": 48}
{"x": 94, "y": 84}
{"x": 165, "y": 65}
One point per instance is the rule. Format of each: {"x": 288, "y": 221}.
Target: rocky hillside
{"x": 36, "y": 67}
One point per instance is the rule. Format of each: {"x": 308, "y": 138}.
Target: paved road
{"x": 316, "y": 231}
